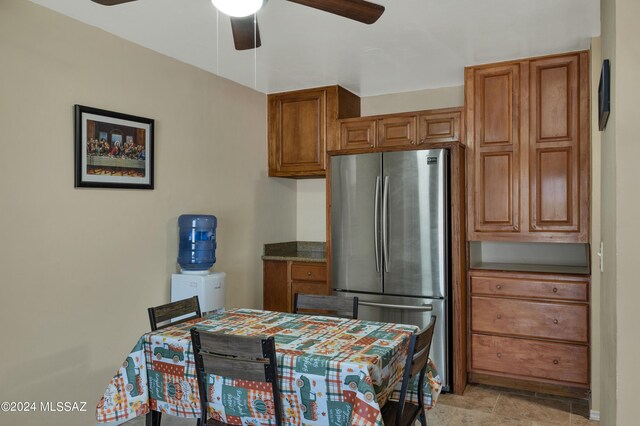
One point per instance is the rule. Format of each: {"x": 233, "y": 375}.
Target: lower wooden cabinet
{"x": 533, "y": 359}
{"x": 282, "y": 279}
{"x": 528, "y": 318}
{"x": 531, "y": 329}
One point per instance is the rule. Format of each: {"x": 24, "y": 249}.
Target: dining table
{"x": 331, "y": 371}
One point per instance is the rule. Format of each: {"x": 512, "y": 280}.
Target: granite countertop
{"x": 300, "y": 251}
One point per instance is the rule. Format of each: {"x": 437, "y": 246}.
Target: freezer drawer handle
{"x": 422, "y": 308}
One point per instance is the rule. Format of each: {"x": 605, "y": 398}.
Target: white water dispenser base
{"x": 209, "y": 288}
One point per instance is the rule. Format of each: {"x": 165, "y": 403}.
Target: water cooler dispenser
{"x": 196, "y": 256}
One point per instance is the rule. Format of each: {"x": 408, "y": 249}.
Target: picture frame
{"x": 112, "y": 150}
{"x": 604, "y": 102}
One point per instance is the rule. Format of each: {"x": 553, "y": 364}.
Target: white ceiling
{"x": 416, "y": 44}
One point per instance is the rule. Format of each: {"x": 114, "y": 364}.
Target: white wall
{"x": 80, "y": 266}
{"x": 311, "y": 214}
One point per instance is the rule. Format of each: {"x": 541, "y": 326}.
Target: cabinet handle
{"x": 499, "y": 355}
{"x": 422, "y": 308}
{"x": 555, "y": 321}
{"x": 422, "y": 140}
{"x": 555, "y": 290}
{"x": 499, "y": 316}
{"x": 498, "y": 286}
{"x": 309, "y": 274}
{"x": 556, "y": 362}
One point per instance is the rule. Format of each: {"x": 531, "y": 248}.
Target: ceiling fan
{"x": 246, "y": 35}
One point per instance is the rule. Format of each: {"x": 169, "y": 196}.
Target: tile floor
{"x": 484, "y": 405}
{"x": 489, "y": 405}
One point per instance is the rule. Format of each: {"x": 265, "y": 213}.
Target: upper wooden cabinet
{"x": 439, "y": 126}
{"x": 302, "y": 124}
{"x": 403, "y": 130}
{"x": 397, "y": 131}
{"x": 528, "y": 162}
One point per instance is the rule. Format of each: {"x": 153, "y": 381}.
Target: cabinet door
{"x": 357, "y": 134}
{"x": 493, "y": 97}
{"x": 439, "y": 127}
{"x": 276, "y": 288}
{"x": 558, "y": 147}
{"x": 397, "y": 131}
{"x": 297, "y": 133}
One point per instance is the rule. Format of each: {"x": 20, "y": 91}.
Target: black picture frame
{"x": 112, "y": 150}
{"x": 604, "y": 102}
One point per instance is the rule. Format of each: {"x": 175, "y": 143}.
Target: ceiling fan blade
{"x": 111, "y": 2}
{"x": 358, "y": 10}
{"x": 244, "y": 37}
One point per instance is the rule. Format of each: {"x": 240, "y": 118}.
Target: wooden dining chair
{"x": 314, "y": 304}
{"x": 402, "y": 413}
{"x": 161, "y": 316}
{"x": 250, "y": 358}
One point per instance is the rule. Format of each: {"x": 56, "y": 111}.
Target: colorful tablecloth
{"x": 331, "y": 371}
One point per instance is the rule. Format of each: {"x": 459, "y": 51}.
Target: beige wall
{"x": 621, "y": 209}
{"x": 596, "y": 396}
{"x": 443, "y": 97}
{"x": 311, "y": 214}
{"x": 628, "y": 231}
{"x": 608, "y": 342}
{"x": 80, "y": 266}
{"x": 311, "y": 210}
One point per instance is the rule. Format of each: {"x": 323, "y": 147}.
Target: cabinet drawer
{"x": 538, "y": 288}
{"x": 530, "y": 319}
{"x": 308, "y": 288}
{"x": 308, "y": 272}
{"x": 530, "y": 358}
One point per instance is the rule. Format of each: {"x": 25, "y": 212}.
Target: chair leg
{"x": 154, "y": 418}
{"x": 423, "y": 418}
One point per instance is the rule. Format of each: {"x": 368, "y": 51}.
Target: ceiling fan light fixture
{"x": 238, "y": 8}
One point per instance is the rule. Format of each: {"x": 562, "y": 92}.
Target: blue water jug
{"x": 197, "y": 249}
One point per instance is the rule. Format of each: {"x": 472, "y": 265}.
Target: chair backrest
{"x": 417, "y": 359}
{"x": 251, "y": 358}
{"x": 344, "y": 307}
{"x": 159, "y": 316}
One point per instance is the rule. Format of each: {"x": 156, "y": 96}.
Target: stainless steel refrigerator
{"x": 390, "y": 239}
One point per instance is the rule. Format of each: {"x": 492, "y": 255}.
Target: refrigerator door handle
{"x": 427, "y": 307}
{"x": 376, "y": 223}
{"x": 385, "y": 227}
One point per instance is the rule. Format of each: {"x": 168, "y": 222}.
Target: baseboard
{"x": 529, "y": 384}
{"x": 594, "y": 415}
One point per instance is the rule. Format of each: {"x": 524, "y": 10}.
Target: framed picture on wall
{"x": 604, "y": 101}
{"x": 112, "y": 150}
